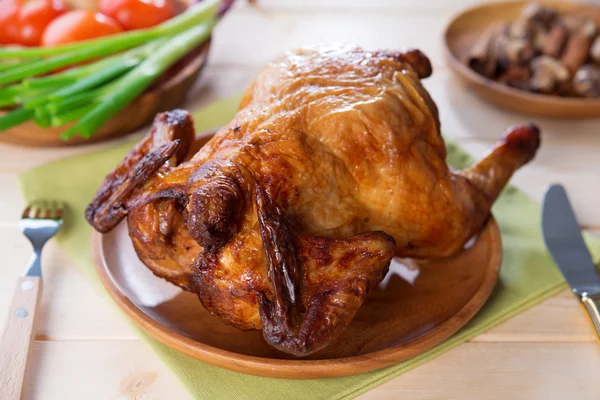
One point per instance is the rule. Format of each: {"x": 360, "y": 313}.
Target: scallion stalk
{"x": 15, "y": 94}
{"x": 72, "y": 75}
{"x": 52, "y": 80}
{"x": 92, "y": 81}
{"x": 41, "y": 119}
{"x": 33, "y": 97}
{"x": 137, "y": 80}
{"x": 8, "y": 94}
{"x": 5, "y": 66}
{"x": 51, "y": 64}
{"x": 14, "y": 118}
{"x": 62, "y": 105}
{"x": 72, "y": 115}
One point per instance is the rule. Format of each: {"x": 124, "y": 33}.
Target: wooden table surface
{"x": 84, "y": 348}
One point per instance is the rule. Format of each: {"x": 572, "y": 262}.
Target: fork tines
{"x": 44, "y": 209}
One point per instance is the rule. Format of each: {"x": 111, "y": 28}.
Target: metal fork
{"x": 39, "y": 222}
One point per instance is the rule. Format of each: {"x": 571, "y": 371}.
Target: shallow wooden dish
{"x": 465, "y": 29}
{"x": 399, "y": 321}
{"x": 167, "y": 93}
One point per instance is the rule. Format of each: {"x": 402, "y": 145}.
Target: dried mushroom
{"x": 517, "y": 77}
{"x": 543, "y": 52}
{"x": 547, "y": 73}
{"x": 555, "y": 41}
{"x": 539, "y": 13}
{"x": 579, "y": 44}
{"x": 514, "y": 51}
{"x": 482, "y": 57}
{"x": 595, "y": 50}
{"x": 586, "y": 82}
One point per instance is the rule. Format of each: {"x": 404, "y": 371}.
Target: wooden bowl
{"x": 167, "y": 93}
{"x": 417, "y": 306}
{"x": 464, "y": 30}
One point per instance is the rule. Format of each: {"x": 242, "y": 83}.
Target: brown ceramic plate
{"x": 465, "y": 29}
{"x": 417, "y": 306}
{"x": 167, "y": 93}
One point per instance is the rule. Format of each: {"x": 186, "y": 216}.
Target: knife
{"x": 562, "y": 236}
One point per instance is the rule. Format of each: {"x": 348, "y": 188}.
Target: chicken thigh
{"x": 291, "y": 213}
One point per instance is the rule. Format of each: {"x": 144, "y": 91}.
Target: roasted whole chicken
{"x": 292, "y": 212}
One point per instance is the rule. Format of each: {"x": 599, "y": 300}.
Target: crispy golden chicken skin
{"x": 292, "y": 212}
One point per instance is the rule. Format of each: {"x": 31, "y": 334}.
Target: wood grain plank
{"x": 255, "y": 38}
{"x": 99, "y": 370}
{"x": 16, "y": 159}
{"x": 11, "y": 202}
{"x": 558, "y": 319}
{"x": 507, "y": 371}
{"x": 472, "y": 371}
{"x": 373, "y": 6}
{"x": 328, "y": 6}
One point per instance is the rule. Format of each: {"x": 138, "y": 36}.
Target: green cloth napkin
{"x": 528, "y": 275}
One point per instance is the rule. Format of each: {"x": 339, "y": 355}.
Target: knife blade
{"x": 565, "y": 243}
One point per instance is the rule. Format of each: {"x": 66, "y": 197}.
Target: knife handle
{"x": 592, "y": 305}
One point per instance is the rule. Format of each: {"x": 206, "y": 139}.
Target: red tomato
{"x": 79, "y": 25}
{"x": 138, "y": 14}
{"x": 9, "y": 12}
{"x": 34, "y": 17}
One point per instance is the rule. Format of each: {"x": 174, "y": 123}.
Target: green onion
{"x": 41, "y": 112}
{"x": 69, "y": 133}
{"x": 41, "y": 119}
{"x": 52, "y": 80}
{"x": 31, "y": 98}
{"x": 15, "y": 94}
{"x": 9, "y": 91}
{"x": 15, "y": 118}
{"x": 61, "y": 119}
{"x": 62, "y": 105}
{"x": 72, "y": 75}
{"x": 92, "y": 81}
{"x": 5, "y": 66}
{"x": 64, "y": 60}
{"x": 195, "y": 15}
{"x": 71, "y": 95}
{"x": 136, "y": 81}
{"x": 8, "y": 94}
{"x": 108, "y": 69}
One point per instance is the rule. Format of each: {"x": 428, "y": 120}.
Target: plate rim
{"x": 304, "y": 369}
